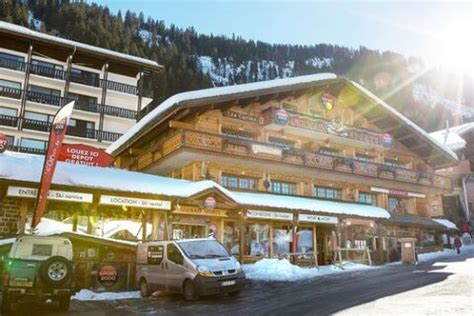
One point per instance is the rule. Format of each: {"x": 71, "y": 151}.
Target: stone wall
{"x": 9, "y": 217}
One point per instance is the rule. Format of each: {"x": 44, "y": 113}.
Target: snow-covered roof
{"x": 452, "y": 137}
{"x": 285, "y": 202}
{"x": 16, "y": 29}
{"x": 445, "y": 222}
{"x": 27, "y": 167}
{"x": 184, "y": 97}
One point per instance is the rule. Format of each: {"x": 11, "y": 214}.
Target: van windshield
{"x": 203, "y": 249}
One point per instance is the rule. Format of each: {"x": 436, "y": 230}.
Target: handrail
{"x": 10, "y": 92}
{"x": 12, "y": 64}
{"x": 7, "y": 120}
{"x": 47, "y": 71}
{"x": 39, "y": 97}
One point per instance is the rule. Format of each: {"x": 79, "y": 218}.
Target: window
{"x": 282, "y": 236}
{"x": 327, "y": 193}
{"x": 45, "y": 64}
{"x": 155, "y": 254}
{"x": 283, "y": 187}
{"x": 173, "y": 254}
{"x": 396, "y": 205}
{"x": 237, "y": 134}
{"x": 38, "y": 117}
{"x": 238, "y": 182}
{"x": 33, "y": 143}
{"x": 281, "y": 142}
{"x": 12, "y": 61}
{"x": 42, "y": 250}
{"x": 10, "y": 84}
{"x": 257, "y": 240}
{"x": 10, "y": 140}
{"x": 328, "y": 151}
{"x": 8, "y": 111}
{"x": 44, "y": 90}
{"x": 367, "y": 198}
{"x": 46, "y": 69}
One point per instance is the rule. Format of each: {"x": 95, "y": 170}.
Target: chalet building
{"x": 312, "y": 163}
{"x": 458, "y": 204}
{"x": 39, "y": 73}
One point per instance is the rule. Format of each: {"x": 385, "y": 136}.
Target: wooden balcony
{"x": 266, "y": 152}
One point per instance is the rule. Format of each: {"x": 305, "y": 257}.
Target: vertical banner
{"x": 56, "y": 137}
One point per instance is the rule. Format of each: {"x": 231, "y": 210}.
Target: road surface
{"x": 443, "y": 287}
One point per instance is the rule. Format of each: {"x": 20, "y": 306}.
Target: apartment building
{"x": 39, "y": 73}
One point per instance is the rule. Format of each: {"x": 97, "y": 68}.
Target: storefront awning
{"x": 446, "y": 223}
{"x": 411, "y": 220}
{"x": 285, "y": 202}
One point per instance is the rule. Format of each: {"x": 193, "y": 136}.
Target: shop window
{"x": 364, "y": 158}
{"x": 231, "y": 237}
{"x": 238, "y": 182}
{"x": 283, "y": 187}
{"x": 257, "y": 240}
{"x": 304, "y": 242}
{"x": 281, "y": 240}
{"x": 327, "y": 193}
{"x": 367, "y": 198}
{"x": 237, "y": 134}
{"x": 281, "y": 142}
{"x": 328, "y": 151}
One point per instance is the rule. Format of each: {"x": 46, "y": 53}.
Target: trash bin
{"x": 408, "y": 249}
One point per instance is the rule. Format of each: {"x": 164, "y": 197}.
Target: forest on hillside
{"x": 194, "y": 61}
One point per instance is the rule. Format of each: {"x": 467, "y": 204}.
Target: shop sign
{"x": 327, "y": 101}
{"x": 192, "y": 210}
{"x": 266, "y": 150}
{"x": 85, "y": 155}
{"x": 281, "y": 116}
{"x": 270, "y": 215}
{"x": 108, "y": 275}
{"x": 3, "y": 142}
{"x": 398, "y": 192}
{"x": 210, "y": 202}
{"x": 135, "y": 202}
{"x": 317, "y": 218}
{"x": 52, "y": 195}
{"x": 243, "y": 117}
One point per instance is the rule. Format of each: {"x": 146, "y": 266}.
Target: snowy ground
{"x": 87, "y": 295}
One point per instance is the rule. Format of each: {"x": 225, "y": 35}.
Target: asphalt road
{"x": 445, "y": 287}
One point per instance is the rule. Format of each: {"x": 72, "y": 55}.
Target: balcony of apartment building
{"x": 185, "y": 146}
{"x": 56, "y": 71}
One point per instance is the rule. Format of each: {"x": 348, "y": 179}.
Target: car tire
{"x": 189, "y": 291}
{"x": 234, "y": 293}
{"x": 56, "y": 270}
{"x": 6, "y": 304}
{"x": 144, "y": 289}
{"x": 64, "y": 303}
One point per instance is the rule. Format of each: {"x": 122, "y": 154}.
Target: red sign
{"x": 107, "y": 275}
{"x": 85, "y": 155}
{"x": 3, "y": 142}
{"x": 56, "y": 137}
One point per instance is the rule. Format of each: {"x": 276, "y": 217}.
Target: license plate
{"x": 21, "y": 283}
{"x": 228, "y": 283}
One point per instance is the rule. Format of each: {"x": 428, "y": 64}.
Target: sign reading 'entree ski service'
{"x": 135, "y": 202}
{"x": 52, "y": 195}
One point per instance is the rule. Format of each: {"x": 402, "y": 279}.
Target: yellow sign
{"x": 192, "y": 210}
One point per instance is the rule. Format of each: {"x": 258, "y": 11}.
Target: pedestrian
{"x": 458, "y": 244}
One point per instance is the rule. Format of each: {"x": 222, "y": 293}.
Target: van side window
{"x": 174, "y": 254}
{"x": 155, "y": 254}
{"x": 42, "y": 250}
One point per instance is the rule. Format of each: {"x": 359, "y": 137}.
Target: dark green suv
{"x": 38, "y": 268}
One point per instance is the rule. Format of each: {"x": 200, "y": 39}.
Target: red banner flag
{"x": 56, "y": 137}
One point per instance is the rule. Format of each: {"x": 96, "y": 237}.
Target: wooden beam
{"x": 408, "y": 136}
{"x": 377, "y": 119}
{"x": 366, "y": 110}
{"x": 391, "y": 129}
{"x": 178, "y": 124}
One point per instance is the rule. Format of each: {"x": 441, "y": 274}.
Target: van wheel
{"x": 6, "y": 304}
{"x": 64, "y": 303}
{"x": 144, "y": 290}
{"x": 235, "y": 293}
{"x": 189, "y": 291}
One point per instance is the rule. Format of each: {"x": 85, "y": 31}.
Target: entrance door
{"x": 325, "y": 255}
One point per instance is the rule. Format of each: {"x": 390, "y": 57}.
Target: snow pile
{"x": 445, "y": 253}
{"x": 283, "y": 270}
{"x": 87, "y": 295}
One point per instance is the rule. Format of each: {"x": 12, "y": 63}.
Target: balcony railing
{"x": 120, "y": 87}
{"x": 9, "y": 92}
{"x": 12, "y": 64}
{"x": 238, "y": 147}
{"x": 47, "y": 71}
{"x": 7, "y": 120}
{"x": 85, "y": 79}
{"x": 43, "y": 98}
{"x": 29, "y": 150}
{"x": 44, "y": 126}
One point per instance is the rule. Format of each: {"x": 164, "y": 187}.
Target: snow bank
{"x": 87, "y": 295}
{"x": 446, "y": 253}
{"x": 283, "y": 270}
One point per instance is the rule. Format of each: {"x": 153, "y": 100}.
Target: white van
{"x": 193, "y": 267}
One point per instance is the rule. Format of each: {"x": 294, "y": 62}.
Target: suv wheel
{"x": 189, "y": 291}
{"x": 144, "y": 290}
{"x": 56, "y": 270}
{"x": 64, "y": 303}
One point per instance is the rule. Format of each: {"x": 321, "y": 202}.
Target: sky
{"x": 433, "y": 30}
